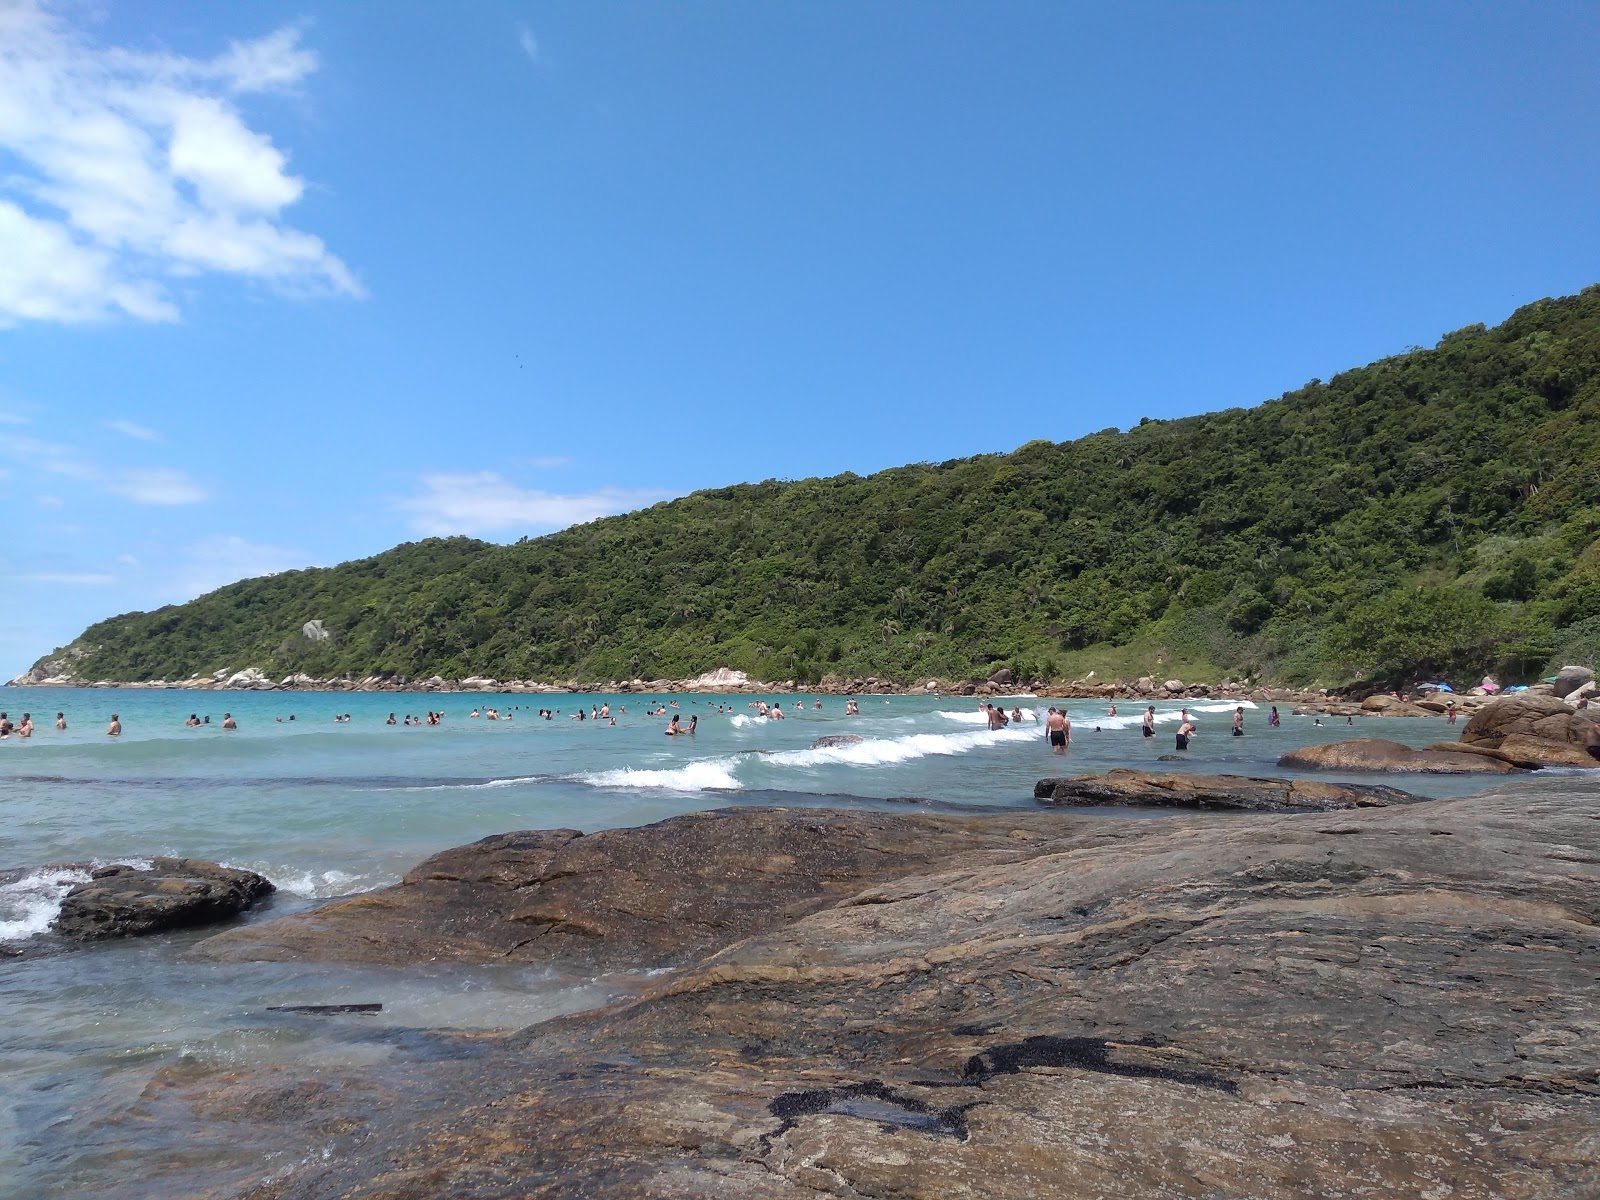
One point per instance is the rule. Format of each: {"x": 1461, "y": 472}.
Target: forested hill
{"x": 1434, "y": 512}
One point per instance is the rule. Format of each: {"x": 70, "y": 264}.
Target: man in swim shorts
{"x": 1060, "y": 731}
{"x": 1185, "y": 732}
{"x": 1149, "y": 726}
{"x": 1238, "y": 721}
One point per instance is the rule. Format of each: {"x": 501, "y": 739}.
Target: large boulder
{"x": 1538, "y": 730}
{"x": 1380, "y": 754}
{"x": 1123, "y": 786}
{"x": 172, "y": 893}
{"x": 1569, "y": 679}
{"x": 1386, "y": 1002}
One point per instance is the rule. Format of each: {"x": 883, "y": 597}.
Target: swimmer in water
{"x": 1149, "y": 726}
{"x": 115, "y": 728}
{"x": 228, "y": 722}
{"x": 1185, "y": 732}
{"x": 673, "y": 728}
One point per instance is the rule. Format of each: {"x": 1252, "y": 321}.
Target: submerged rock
{"x": 1393, "y": 1001}
{"x": 1123, "y": 786}
{"x": 1379, "y": 754}
{"x": 837, "y": 739}
{"x": 172, "y": 893}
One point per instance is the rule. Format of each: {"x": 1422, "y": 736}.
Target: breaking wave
{"x": 707, "y": 775}
{"x": 29, "y": 904}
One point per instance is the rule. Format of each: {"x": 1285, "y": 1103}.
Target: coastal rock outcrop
{"x": 123, "y": 900}
{"x": 1569, "y": 679}
{"x": 1380, "y": 754}
{"x": 1533, "y": 730}
{"x": 1393, "y": 1001}
{"x": 625, "y": 899}
{"x": 1123, "y": 786}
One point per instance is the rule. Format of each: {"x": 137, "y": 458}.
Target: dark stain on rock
{"x": 1081, "y": 1053}
{"x": 870, "y": 1101}
{"x": 983, "y": 1029}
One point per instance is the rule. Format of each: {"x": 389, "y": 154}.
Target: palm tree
{"x": 889, "y": 630}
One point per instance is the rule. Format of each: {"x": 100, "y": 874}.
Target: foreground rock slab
{"x": 1124, "y": 786}
{"x": 1380, "y": 754}
{"x": 1393, "y": 1001}
{"x": 629, "y": 899}
{"x": 172, "y": 893}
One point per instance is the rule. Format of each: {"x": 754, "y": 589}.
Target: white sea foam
{"x": 708, "y": 774}
{"x": 876, "y": 752}
{"x": 319, "y": 885}
{"x": 511, "y": 781}
{"x": 745, "y": 721}
{"x": 29, "y": 904}
{"x": 978, "y": 717}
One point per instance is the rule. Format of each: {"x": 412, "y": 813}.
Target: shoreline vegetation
{"x": 1434, "y": 515}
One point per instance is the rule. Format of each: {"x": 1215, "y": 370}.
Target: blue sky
{"x": 285, "y": 284}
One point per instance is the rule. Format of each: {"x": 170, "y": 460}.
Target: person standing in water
{"x": 1148, "y": 728}
{"x": 61, "y": 721}
{"x": 25, "y": 730}
{"x": 1238, "y": 721}
{"x": 1060, "y": 730}
{"x": 1274, "y": 720}
{"x": 228, "y": 722}
{"x": 1185, "y": 732}
{"x": 115, "y": 728}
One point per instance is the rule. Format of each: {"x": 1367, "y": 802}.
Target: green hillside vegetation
{"x": 1434, "y": 513}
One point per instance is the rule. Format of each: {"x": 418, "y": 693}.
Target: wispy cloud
{"x": 214, "y": 561}
{"x": 127, "y": 168}
{"x": 162, "y": 485}
{"x": 484, "y": 502}
{"x": 529, "y": 43}
{"x": 151, "y": 485}
{"x": 11, "y": 418}
{"x": 546, "y": 461}
{"x": 140, "y": 432}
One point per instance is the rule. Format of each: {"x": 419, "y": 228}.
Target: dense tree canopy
{"x": 1434, "y": 512}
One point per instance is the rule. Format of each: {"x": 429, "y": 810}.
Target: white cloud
{"x": 159, "y": 485}
{"x": 128, "y": 168}
{"x": 483, "y": 502}
{"x": 529, "y": 43}
{"x": 149, "y": 485}
{"x": 214, "y": 561}
{"x": 140, "y": 432}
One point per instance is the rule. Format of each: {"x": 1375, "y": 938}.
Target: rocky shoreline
{"x": 726, "y": 681}
{"x": 1386, "y": 1000}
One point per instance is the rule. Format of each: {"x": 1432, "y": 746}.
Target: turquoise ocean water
{"x": 327, "y": 809}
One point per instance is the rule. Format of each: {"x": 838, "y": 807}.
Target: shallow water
{"x": 327, "y": 809}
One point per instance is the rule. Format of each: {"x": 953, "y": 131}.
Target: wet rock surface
{"x": 837, "y": 739}
{"x": 1123, "y": 786}
{"x": 1380, "y": 754}
{"x": 1391, "y": 1001}
{"x": 627, "y": 899}
{"x": 172, "y": 893}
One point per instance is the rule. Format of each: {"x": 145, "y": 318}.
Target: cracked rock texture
{"x": 1379, "y": 1002}
{"x": 1124, "y": 786}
